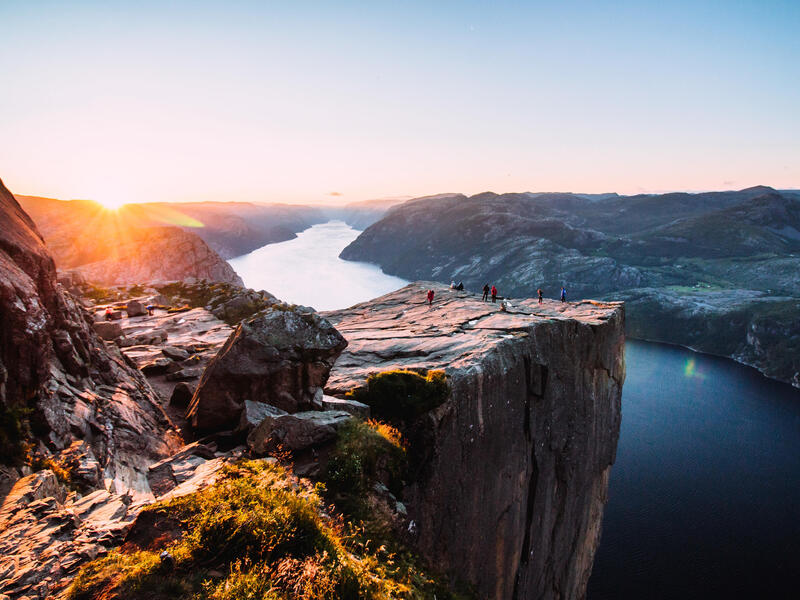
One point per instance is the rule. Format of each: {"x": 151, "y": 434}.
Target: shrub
{"x": 14, "y": 430}
{"x": 402, "y": 396}
{"x": 366, "y": 452}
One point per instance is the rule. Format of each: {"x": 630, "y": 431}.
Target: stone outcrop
{"x": 53, "y": 364}
{"x": 297, "y": 431}
{"x": 160, "y": 254}
{"x": 281, "y": 358}
{"x": 510, "y": 491}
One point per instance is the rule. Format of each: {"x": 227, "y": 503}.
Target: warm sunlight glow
{"x": 109, "y": 203}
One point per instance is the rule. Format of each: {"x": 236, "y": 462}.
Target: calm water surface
{"x": 307, "y": 270}
{"x": 704, "y": 500}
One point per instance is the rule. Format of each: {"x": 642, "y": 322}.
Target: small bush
{"x": 366, "y": 453}
{"x": 402, "y": 396}
{"x": 100, "y": 295}
{"x": 14, "y": 430}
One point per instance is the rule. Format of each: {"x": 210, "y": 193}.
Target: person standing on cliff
{"x": 485, "y": 292}
{"x": 430, "y": 297}
{"x": 494, "y": 294}
{"x": 563, "y": 294}
{"x": 539, "y": 291}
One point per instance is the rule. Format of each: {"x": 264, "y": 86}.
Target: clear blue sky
{"x": 307, "y": 101}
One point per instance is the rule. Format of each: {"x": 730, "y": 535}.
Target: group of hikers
{"x": 493, "y": 291}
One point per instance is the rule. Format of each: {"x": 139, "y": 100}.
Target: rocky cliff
{"x": 678, "y": 260}
{"x": 510, "y": 491}
{"x": 57, "y": 376}
{"x": 159, "y": 254}
{"x": 124, "y": 248}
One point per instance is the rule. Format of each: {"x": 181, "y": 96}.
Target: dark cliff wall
{"x": 514, "y": 493}
{"x": 510, "y": 494}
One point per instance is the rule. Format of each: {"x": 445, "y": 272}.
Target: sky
{"x": 344, "y": 101}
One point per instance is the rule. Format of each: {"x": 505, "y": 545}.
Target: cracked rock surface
{"x": 511, "y": 497}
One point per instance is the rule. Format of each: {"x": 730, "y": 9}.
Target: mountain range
{"x": 718, "y": 271}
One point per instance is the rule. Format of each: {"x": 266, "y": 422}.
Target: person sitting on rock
{"x": 485, "y": 292}
{"x": 109, "y": 314}
{"x": 539, "y": 291}
{"x": 563, "y": 294}
{"x": 453, "y": 285}
{"x": 430, "y": 297}
{"x": 494, "y": 294}
{"x": 460, "y": 286}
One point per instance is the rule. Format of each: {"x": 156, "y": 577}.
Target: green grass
{"x": 402, "y": 396}
{"x": 258, "y": 533}
{"x": 366, "y": 452}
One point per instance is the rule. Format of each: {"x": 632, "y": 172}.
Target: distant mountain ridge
{"x": 229, "y": 228}
{"x": 707, "y": 270}
{"x": 121, "y": 248}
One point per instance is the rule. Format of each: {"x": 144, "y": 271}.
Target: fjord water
{"x": 307, "y": 270}
{"x": 704, "y": 498}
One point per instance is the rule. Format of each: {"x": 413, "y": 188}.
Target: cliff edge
{"x": 510, "y": 494}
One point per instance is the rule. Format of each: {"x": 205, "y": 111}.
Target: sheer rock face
{"x": 511, "y": 493}
{"x": 52, "y": 361}
{"x": 160, "y": 254}
{"x": 281, "y": 358}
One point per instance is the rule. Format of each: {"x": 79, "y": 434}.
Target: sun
{"x": 110, "y": 202}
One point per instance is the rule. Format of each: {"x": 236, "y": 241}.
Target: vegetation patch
{"x": 401, "y": 396}
{"x": 366, "y": 452}
{"x": 258, "y": 533}
{"x": 14, "y": 430}
{"x": 99, "y": 294}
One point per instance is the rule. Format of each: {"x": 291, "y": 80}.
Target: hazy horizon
{"x": 263, "y": 102}
{"x": 398, "y": 199}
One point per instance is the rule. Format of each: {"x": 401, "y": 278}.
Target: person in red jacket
{"x": 494, "y": 294}
{"x": 430, "y": 297}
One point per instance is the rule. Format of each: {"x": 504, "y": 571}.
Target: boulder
{"x": 297, "y": 431}
{"x": 108, "y": 330}
{"x": 354, "y": 407}
{"x": 185, "y": 374}
{"x": 176, "y": 354}
{"x": 181, "y": 395}
{"x": 254, "y": 413}
{"x": 135, "y": 309}
{"x": 279, "y": 357}
{"x": 158, "y": 366}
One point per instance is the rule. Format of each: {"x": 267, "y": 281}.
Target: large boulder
{"x": 135, "y": 309}
{"x": 296, "y": 432}
{"x": 281, "y": 357}
{"x": 108, "y": 330}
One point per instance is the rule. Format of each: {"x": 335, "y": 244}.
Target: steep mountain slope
{"x": 120, "y": 247}
{"x": 656, "y": 252}
{"x": 229, "y": 228}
